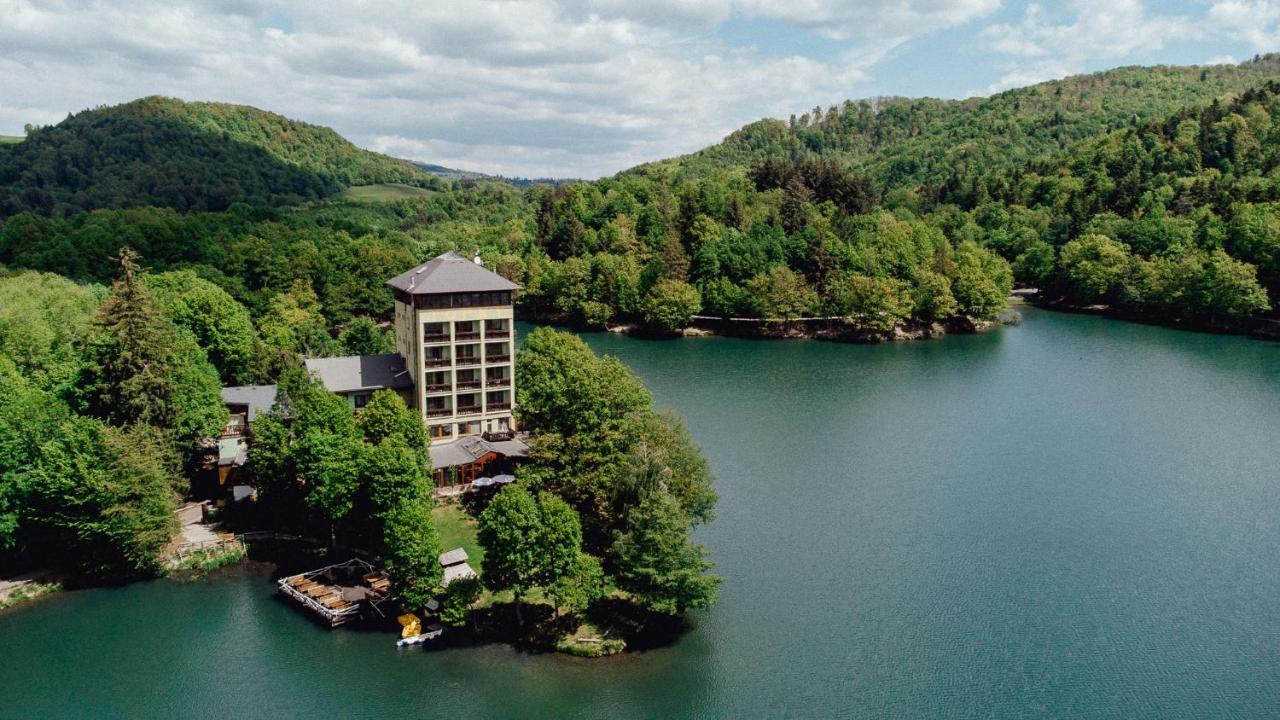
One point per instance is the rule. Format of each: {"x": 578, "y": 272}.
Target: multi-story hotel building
{"x": 455, "y": 337}
{"x": 455, "y": 331}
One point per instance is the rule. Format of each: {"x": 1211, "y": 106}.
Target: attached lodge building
{"x": 455, "y": 343}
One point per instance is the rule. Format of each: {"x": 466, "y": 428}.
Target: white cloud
{"x": 1256, "y": 22}
{"x": 530, "y": 87}
{"x": 843, "y": 20}
{"x": 1054, "y": 44}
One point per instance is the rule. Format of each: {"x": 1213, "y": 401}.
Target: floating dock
{"x": 339, "y": 593}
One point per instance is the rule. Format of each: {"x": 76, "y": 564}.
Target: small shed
{"x": 456, "y": 572}
{"x": 453, "y": 557}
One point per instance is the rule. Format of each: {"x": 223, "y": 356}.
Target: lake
{"x": 1074, "y": 517}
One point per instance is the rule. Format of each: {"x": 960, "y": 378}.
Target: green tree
{"x": 670, "y": 305}
{"x": 44, "y": 321}
{"x": 575, "y": 590}
{"x": 559, "y": 538}
{"x": 657, "y": 563}
{"x": 1034, "y": 266}
{"x": 130, "y": 374}
{"x": 412, "y": 553}
{"x": 932, "y": 298}
{"x": 362, "y": 336}
{"x": 981, "y": 281}
{"x": 459, "y": 598}
{"x": 780, "y": 292}
{"x": 76, "y": 492}
{"x": 141, "y": 369}
{"x": 1094, "y": 268}
{"x": 1254, "y": 236}
{"x": 220, "y": 325}
{"x": 872, "y": 302}
{"x": 386, "y": 414}
{"x": 509, "y": 532}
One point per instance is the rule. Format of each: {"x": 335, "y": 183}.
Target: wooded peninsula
{"x": 156, "y": 252}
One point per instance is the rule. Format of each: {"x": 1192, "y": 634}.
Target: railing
{"x": 469, "y": 410}
{"x": 497, "y": 358}
{"x": 437, "y": 362}
{"x": 464, "y": 361}
{"x": 497, "y": 382}
{"x": 489, "y": 333}
{"x": 438, "y": 412}
{"x": 467, "y": 335}
{"x": 499, "y": 406}
{"x": 439, "y": 387}
{"x": 468, "y": 384}
{"x": 435, "y": 337}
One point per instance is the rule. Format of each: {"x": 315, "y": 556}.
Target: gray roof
{"x": 453, "y": 557}
{"x": 469, "y": 449}
{"x": 361, "y": 372}
{"x": 456, "y": 572}
{"x": 450, "y": 273}
{"x": 259, "y": 398}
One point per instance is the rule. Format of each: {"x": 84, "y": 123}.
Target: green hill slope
{"x": 941, "y": 145}
{"x": 187, "y": 156}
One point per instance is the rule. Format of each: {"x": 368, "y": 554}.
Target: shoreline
{"x": 1257, "y": 328}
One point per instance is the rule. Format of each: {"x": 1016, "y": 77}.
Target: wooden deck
{"x": 338, "y": 593}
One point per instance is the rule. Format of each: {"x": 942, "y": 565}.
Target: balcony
{"x": 437, "y": 362}
{"x": 439, "y": 388}
{"x": 468, "y": 384}
{"x": 497, "y": 382}
{"x": 495, "y": 334}
{"x": 469, "y": 410}
{"x": 495, "y": 359}
{"x": 439, "y": 412}
{"x": 435, "y": 337}
{"x": 466, "y": 361}
{"x": 491, "y": 407}
{"x": 467, "y": 335}
{"x": 236, "y": 426}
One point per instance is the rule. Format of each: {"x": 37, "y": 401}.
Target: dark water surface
{"x": 1075, "y": 518}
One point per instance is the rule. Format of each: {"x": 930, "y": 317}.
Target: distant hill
{"x": 187, "y": 156}
{"x": 10, "y": 139}
{"x": 467, "y": 175}
{"x": 933, "y": 145}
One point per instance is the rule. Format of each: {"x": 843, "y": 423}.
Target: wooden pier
{"x": 339, "y": 593}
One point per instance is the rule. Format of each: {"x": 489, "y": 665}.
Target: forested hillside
{"x": 186, "y": 156}
{"x": 1145, "y": 189}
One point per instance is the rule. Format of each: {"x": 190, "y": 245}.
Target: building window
{"x": 359, "y": 400}
{"x": 441, "y": 431}
{"x": 469, "y": 428}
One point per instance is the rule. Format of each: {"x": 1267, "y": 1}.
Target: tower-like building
{"x": 455, "y": 330}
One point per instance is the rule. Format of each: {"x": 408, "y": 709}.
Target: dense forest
{"x": 187, "y": 156}
{"x": 1147, "y": 190}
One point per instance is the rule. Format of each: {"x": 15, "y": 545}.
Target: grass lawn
{"x": 384, "y": 192}
{"x": 10, "y": 139}
{"x": 458, "y": 529}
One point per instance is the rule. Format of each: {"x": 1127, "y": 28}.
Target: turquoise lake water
{"x": 1075, "y": 517}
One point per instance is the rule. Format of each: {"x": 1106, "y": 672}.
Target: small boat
{"x": 412, "y": 632}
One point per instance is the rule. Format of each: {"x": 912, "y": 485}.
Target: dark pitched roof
{"x": 361, "y": 372}
{"x": 259, "y": 398}
{"x": 467, "y": 450}
{"x": 450, "y": 273}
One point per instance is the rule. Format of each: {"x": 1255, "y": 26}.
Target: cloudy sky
{"x": 576, "y": 88}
